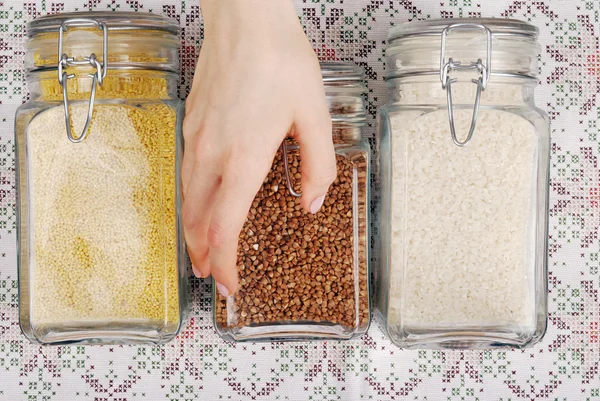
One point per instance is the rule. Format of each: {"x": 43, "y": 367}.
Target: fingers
{"x": 197, "y": 187}
{"x": 193, "y": 124}
{"x": 197, "y": 207}
{"x": 238, "y": 189}
{"x": 313, "y": 133}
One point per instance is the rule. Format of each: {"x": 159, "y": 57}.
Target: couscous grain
{"x": 103, "y": 214}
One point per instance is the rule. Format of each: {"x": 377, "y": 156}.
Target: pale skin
{"x": 256, "y": 81}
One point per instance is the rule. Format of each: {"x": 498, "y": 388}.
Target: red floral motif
{"x": 391, "y": 390}
{"x": 579, "y": 329}
{"x": 593, "y": 62}
{"x": 579, "y": 64}
{"x": 594, "y": 332}
{"x": 577, "y": 196}
{"x": 330, "y": 36}
{"x": 325, "y": 54}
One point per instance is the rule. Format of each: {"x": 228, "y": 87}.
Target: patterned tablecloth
{"x": 198, "y": 365}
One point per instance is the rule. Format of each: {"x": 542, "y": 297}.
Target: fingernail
{"x": 222, "y": 289}
{"x": 316, "y": 204}
{"x": 197, "y": 272}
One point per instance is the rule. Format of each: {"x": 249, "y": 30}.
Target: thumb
{"x": 317, "y": 157}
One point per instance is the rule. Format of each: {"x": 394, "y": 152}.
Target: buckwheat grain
{"x": 296, "y": 267}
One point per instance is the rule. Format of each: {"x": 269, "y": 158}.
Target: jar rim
{"x": 498, "y": 27}
{"x": 114, "y": 20}
{"x": 342, "y": 72}
{"x": 345, "y": 81}
{"x": 495, "y": 47}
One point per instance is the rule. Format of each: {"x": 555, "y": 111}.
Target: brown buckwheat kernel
{"x": 296, "y": 267}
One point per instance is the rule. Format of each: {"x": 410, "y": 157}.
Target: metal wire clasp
{"x": 65, "y": 61}
{"x": 448, "y": 66}
{"x": 288, "y": 179}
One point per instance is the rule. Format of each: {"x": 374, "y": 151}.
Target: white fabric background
{"x": 198, "y": 365}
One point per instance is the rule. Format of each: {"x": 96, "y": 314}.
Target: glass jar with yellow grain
{"x": 98, "y": 150}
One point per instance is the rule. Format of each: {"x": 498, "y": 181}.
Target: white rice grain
{"x": 462, "y": 220}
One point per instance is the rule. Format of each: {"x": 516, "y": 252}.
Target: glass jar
{"x": 305, "y": 276}
{"x": 464, "y": 178}
{"x": 100, "y": 257}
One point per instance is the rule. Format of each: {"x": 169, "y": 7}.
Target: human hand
{"x": 256, "y": 81}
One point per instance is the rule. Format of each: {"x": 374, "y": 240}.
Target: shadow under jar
{"x": 464, "y": 179}
{"x": 98, "y": 149}
{"x": 305, "y": 276}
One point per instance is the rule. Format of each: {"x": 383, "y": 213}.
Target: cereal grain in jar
{"x": 100, "y": 258}
{"x": 305, "y": 275}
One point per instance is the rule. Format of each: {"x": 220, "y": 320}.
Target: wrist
{"x": 235, "y": 14}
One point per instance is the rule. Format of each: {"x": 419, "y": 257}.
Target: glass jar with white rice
{"x": 464, "y": 178}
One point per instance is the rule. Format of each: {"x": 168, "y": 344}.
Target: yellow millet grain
{"x": 120, "y": 85}
{"x": 41, "y": 61}
{"x": 104, "y": 228}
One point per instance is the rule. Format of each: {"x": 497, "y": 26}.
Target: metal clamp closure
{"x": 98, "y": 76}
{"x": 484, "y": 70}
{"x": 288, "y": 180}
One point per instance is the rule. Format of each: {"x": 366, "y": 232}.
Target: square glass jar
{"x": 101, "y": 258}
{"x": 305, "y": 276}
{"x": 464, "y": 181}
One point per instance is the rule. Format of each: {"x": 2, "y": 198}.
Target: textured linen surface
{"x": 200, "y": 366}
